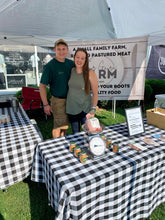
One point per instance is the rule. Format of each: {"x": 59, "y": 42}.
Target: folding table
{"x": 18, "y": 140}
{"x": 125, "y": 185}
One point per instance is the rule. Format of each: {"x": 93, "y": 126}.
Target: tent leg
{"x": 36, "y": 64}
{"x": 114, "y": 107}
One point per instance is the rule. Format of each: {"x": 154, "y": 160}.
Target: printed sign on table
{"x": 134, "y": 120}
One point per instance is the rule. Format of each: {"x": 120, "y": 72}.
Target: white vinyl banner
{"x": 119, "y": 65}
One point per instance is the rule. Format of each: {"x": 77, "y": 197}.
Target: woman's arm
{"x": 94, "y": 86}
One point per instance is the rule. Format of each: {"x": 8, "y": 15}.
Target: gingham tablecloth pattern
{"x": 127, "y": 185}
{"x": 18, "y": 140}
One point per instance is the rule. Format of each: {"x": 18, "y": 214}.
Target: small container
{"x": 83, "y": 157}
{"x": 72, "y": 146}
{"x": 108, "y": 142}
{"x": 103, "y": 137}
{"x": 7, "y": 119}
{"x": 115, "y": 147}
{"x": 77, "y": 151}
{"x": 156, "y": 104}
{"x": 15, "y": 104}
{"x": 4, "y": 119}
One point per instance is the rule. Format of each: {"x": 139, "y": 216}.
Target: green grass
{"x": 29, "y": 201}
{"x": 25, "y": 201}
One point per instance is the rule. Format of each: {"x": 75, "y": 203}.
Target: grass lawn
{"x": 28, "y": 201}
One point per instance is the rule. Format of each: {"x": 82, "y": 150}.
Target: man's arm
{"x": 43, "y": 94}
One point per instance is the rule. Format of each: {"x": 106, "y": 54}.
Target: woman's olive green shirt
{"x": 77, "y": 99}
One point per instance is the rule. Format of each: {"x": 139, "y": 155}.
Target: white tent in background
{"x": 40, "y": 22}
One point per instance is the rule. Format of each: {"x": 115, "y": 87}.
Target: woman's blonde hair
{"x": 85, "y": 70}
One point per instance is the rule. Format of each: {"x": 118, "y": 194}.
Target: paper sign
{"x": 134, "y": 120}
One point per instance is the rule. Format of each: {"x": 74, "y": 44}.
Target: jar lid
{"x": 102, "y": 135}
{"x": 83, "y": 152}
{"x": 77, "y": 147}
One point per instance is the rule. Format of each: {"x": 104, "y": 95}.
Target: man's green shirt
{"x": 56, "y": 74}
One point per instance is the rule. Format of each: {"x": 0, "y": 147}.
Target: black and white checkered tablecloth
{"x": 18, "y": 140}
{"x": 127, "y": 185}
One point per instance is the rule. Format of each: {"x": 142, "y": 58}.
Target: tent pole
{"x": 114, "y": 107}
{"x": 6, "y": 81}
{"x": 36, "y": 62}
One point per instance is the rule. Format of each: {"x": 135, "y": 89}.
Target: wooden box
{"x": 156, "y": 117}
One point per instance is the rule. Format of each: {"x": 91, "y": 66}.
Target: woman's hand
{"x": 92, "y": 113}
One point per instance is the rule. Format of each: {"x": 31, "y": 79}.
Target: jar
{"x": 115, "y": 147}
{"x": 108, "y": 142}
{"x": 156, "y": 104}
{"x": 72, "y": 146}
{"x": 8, "y": 119}
{"x": 77, "y": 151}
{"x": 83, "y": 157}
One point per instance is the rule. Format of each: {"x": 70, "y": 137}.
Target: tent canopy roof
{"x": 29, "y": 22}
{"x": 42, "y": 23}
{"x": 139, "y": 18}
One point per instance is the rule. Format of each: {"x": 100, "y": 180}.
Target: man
{"x": 56, "y": 74}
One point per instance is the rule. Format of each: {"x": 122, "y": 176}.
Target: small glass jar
{"x": 72, "y": 146}
{"x": 115, "y": 147}
{"x": 108, "y": 142}
{"x": 7, "y": 119}
{"x": 83, "y": 157}
{"x": 156, "y": 104}
{"x": 77, "y": 151}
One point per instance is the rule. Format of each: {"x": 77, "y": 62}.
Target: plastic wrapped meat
{"x": 93, "y": 124}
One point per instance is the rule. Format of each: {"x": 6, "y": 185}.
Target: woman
{"x": 82, "y": 83}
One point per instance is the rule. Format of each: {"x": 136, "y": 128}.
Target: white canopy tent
{"x": 40, "y": 22}
{"x": 135, "y": 18}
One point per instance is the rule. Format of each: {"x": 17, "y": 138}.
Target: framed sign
{"x": 134, "y": 120}
{"x": 16, "y": 80}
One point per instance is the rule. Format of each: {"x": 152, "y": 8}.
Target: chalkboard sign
{"x": 16, "y": 80}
